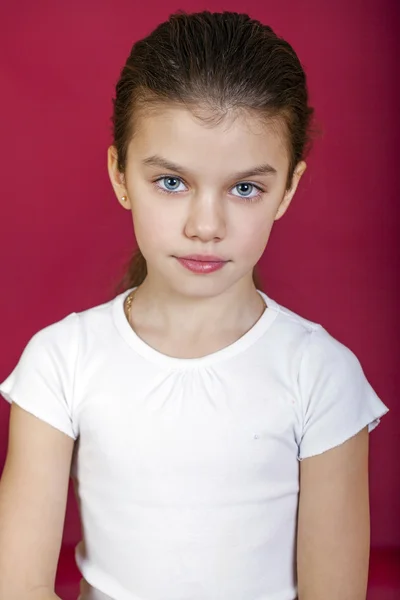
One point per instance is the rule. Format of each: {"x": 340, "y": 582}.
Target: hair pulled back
{"x": 222, "y": 62}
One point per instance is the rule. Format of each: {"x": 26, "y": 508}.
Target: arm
{"x": 333, "y": 538}
{"x": 33, "y": 496}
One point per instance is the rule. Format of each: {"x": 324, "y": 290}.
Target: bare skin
{"x": 33, "y": 496}
{"x": 207, "y": 214}
{"x": 333, "y": 539}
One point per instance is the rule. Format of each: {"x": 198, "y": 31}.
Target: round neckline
{"x": 150, "y": 353}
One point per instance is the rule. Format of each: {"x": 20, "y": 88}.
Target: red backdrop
{"x": 334, "y": 258}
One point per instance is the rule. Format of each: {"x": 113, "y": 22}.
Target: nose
{"x": 206, "y": 218}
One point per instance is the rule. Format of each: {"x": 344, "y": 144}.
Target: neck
{"x": 160, "y": 308}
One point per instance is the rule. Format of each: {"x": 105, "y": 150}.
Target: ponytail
{"x": 257, "y": 279}
{"x": 136, "y": 273}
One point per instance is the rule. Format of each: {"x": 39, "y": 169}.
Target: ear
{"x": 284, "y": 205}
{"x": 117, "y": 178}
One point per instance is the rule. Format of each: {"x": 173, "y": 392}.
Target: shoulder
{"x": 290, "y": 326}
{"x": 73, "y": 323}
{"x": 289, "y": 318}
{"x": 316, "y": 338}
{"x": 43, "y": 381}
{"x": 334, "y": 397}
{"x": 53, "y": 344}
{"x": 317, "y": 353}
{"x": 60, "y": 340}
{"x": 324, "y": 353}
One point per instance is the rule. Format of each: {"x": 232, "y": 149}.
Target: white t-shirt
{"x": 187, "y": 470}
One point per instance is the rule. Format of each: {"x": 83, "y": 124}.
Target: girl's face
{"x": 200, "y": 189}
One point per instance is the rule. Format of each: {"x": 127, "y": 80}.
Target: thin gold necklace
{"x": 129, "y": 300}
{"x": 128, "y": 304}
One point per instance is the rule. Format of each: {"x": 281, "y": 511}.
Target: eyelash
{"x": 244, "y": 198}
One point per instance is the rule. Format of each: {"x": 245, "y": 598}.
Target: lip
{"x": 201, "y": 264}
{"x": 203, "y": 258}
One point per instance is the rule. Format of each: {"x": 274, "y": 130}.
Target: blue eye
{"x": 247, "y": 190}
{"x": 170, "y": 184}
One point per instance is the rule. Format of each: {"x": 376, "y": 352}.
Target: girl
{"x": 217, "y": 440}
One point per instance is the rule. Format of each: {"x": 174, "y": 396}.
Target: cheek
{"x": 153, "y": 223}
{"x": 253, "y": 234}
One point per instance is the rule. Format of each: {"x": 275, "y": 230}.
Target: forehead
{"x": 196, "y": 139}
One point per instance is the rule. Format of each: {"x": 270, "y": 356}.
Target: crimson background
{"x": 334, "y": 258}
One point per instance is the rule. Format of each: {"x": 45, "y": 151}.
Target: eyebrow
{"x": 159, "y": 161}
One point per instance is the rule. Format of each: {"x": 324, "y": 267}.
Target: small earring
{"x": 123, "y": 198}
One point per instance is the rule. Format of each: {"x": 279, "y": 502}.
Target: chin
{"x": 202, "y": 287}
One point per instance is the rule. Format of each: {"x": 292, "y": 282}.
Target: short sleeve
{"x": 337, "y": 400}
{"x": 42, "y": 381}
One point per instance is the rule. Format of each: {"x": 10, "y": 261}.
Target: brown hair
{"x": 222, "y": 61}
